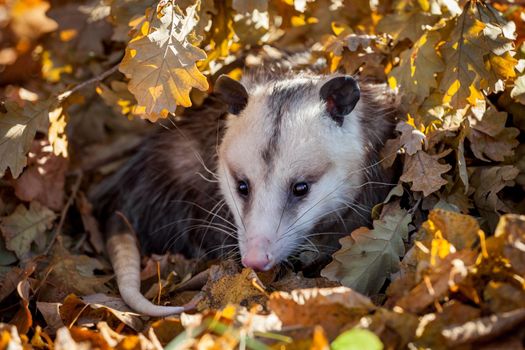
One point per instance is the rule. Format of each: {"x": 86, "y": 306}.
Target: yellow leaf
{"x": 161, "y": 65}
{"x": 57, "y": 131}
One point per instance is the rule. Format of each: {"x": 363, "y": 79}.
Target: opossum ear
{"x": 341, "y": 95}
{"x": 232, "y": 93}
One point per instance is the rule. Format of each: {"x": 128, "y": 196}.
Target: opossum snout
{"x": 257, "y": 255}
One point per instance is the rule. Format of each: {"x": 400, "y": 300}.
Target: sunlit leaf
{"x": 161, "y": 63}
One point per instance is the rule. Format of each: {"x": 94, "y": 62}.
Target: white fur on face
{"x": 310, "y": 146}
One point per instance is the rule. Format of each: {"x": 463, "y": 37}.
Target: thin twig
{"x": 69, "y": 202}
{"x": 95, "y": 79}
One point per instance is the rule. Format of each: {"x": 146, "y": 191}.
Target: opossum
{"x": 265, "y": 166}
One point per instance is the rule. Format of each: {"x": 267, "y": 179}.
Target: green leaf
{"x": 357, "y": 339}
{"x": 368, "y": 257}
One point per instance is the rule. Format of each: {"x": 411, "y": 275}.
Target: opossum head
{"x": 292, "y": 155}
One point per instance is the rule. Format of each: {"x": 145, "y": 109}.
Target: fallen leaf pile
{"x": 441, "y": 267}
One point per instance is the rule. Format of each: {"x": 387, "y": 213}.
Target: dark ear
{"x": 341, "y": 95}
{"x": 232, "y": 93}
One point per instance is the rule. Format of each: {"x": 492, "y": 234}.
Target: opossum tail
{"x": 125, "y": 258}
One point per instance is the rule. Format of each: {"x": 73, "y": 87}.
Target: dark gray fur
{"x": 160, "y": 192}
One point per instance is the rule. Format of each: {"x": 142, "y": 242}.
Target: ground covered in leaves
{"x": 442, "y": 266}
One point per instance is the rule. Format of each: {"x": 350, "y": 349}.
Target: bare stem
{"x": 95, "y": 79}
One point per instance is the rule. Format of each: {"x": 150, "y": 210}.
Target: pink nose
{"x": 258, "y": 262}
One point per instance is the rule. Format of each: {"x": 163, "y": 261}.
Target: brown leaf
{"x": 450, "y": 273}
{"x": 51, "y": 314}
{"x": 68, "y": 273}
{"x": 424, "y": 171}
{"x": 90, "y": 223}
{"x": 23, "y": 320}
{"x": 233, "y": 289}
{"x": 14, "y": 276}
{"x": 82, "y": 29}
{"x": 431, "y": 325}
{"x": 485, "y": 328}
{"x": 115, "y": 306}
{"x": 502, "y": 297}
{"x": 79, "y": 339}
{"x": 458, "y": 229}
{"x": 332, "y": 308}
{"x": 44, "y": 178}
{"x": 395, "y": 329}
{"x": 488, "y": 182}
{"x": 411, "y": 138}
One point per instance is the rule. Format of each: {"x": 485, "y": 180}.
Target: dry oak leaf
{"x": 424, "y": 171}
{"x": 24, "y": 226}
{"x": 489, "y": 137}
{"x": 470, "y": 42}
{"x": 368, "y": 257}
{"x": 160, "y": 61}
{"x": 332, "y": 308}
{"x": 73, "y": 274}
{"x": 488, "y": 182}
{"x": 458, "y": 229}
{"x": 405, "y": 25}
{"x": 416, "y": 71}
{"x": 17, "y": 130}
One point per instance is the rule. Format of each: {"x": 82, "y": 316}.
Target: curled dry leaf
{"x": 14, "y": 276}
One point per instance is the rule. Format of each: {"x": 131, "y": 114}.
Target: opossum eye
{"x": 243, "y": 188}
{"x": 300, "y": 189}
